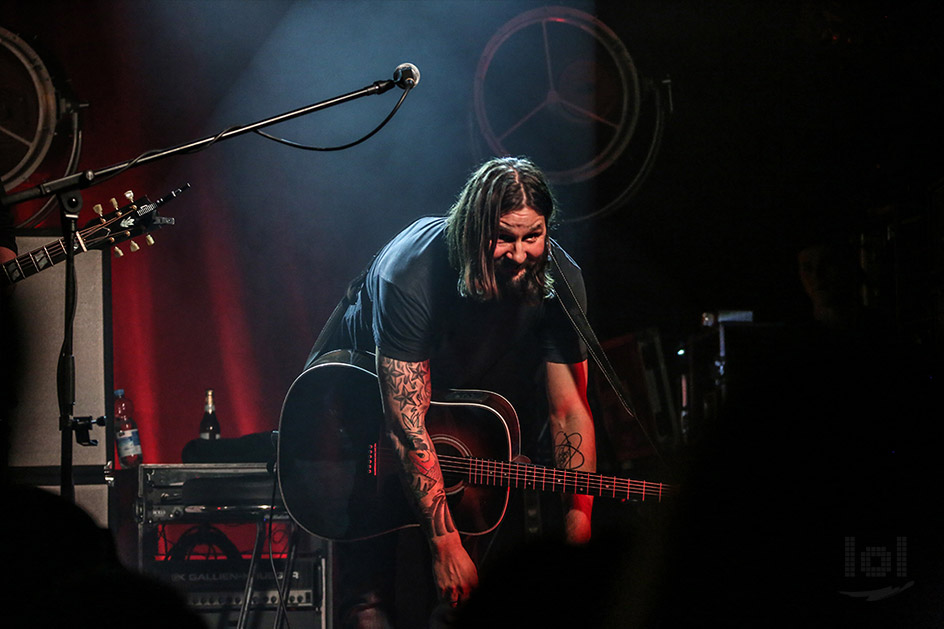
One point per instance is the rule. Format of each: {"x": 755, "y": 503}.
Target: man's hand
{"x": 454, "y": 572}
{"x": 577, "y": 519}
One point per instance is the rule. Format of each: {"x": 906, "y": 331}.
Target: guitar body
{"x": 338, "y": 477}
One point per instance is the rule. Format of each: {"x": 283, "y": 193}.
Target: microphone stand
{"x": 89, "y": 178}
{"x": 69, "y": 204}
{"x": 66, "y": 190}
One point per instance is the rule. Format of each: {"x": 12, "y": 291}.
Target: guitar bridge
{"x": 372, "y": 460}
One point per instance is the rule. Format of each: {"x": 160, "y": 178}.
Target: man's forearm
{"x": 574, "y": 439}
{"x": 406, "y": 390}
{"x": 575, "y": 449}
{"x": 575, "y": 444}
{"x": 406, "y": 394}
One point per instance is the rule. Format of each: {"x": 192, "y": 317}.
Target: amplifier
{"x": 219, "y": 583}
{"x": 207, "y": 492}
{"x": 212, "y": 568}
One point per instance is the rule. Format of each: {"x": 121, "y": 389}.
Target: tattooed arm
{"x": 571, "y": 427}
{"x": 405, "y": 389}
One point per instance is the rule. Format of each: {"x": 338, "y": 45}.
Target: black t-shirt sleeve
{"x": 559, "y": 339}
{"x": 400, "y": 323}
{"x": 403, "y": 286}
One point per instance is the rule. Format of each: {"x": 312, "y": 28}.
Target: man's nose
{"x": 517, "y": 253}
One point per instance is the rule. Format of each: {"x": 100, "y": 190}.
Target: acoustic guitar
{"x": 340, "y": 481}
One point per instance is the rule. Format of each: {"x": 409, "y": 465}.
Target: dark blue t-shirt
{"x": 410, "y": 308}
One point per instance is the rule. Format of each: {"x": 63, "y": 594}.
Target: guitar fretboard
{"x": 529, "y": 476}
{"x": 31, "y": 263}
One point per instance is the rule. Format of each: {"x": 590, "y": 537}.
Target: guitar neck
{"x": 126, "y": 222}
{"x": 93, "y": 236}
{"x": 529, "y": 476}
{"x": 31, "y": 263}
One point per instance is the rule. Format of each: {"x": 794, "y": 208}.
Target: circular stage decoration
{"x": 28, "y": 110}
{"x": 562, "y": 75}
{"x": 558, "y": 85}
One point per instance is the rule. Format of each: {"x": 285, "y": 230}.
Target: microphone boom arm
{"x": 88, "y": 178}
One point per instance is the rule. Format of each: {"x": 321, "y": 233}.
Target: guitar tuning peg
{"x": 97, "y": 208}
{"x": 149, "y": 239}
{"x": 118, "y": 252}
{"x": 130, "y": 196}
{"x": 133, "y": 246}
{"x": 114, "y": 204}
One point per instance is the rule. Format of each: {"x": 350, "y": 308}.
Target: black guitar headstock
{"x": 138, "y": 217}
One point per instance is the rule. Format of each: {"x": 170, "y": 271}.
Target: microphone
{"x": 406, "y": 76}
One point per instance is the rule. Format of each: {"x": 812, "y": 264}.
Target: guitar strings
{"x": 523, "y": 475}
{"x": 86, "y": 236}
{"x": 537, "y": 477}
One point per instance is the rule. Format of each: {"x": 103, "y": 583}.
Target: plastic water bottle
{"x": 126, "y": 432}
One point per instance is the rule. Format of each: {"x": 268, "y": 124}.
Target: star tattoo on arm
{"x": 406, "y": 392}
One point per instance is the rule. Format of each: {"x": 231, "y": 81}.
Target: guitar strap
{"x": 326, "y": 332}
{"x": 331, "y": 325}
{"x": 578, "y": 319}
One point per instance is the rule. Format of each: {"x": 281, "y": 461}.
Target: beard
{"x": 521, "y": 282}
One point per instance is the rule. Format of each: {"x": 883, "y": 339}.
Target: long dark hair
{"x": 499, "y": 186}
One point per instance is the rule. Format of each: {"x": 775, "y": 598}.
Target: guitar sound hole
{"x": 449, "y": 447}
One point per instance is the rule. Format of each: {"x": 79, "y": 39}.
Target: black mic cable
{"x": 405, "y": 76}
